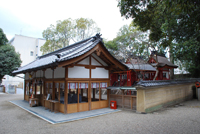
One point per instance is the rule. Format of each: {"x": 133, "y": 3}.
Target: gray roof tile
{"x": 166, "y": 82}
{"x": 63, "y": 54}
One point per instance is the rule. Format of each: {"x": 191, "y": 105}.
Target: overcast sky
{"x": 30, "y": 18}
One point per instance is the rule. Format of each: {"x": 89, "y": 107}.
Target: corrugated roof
{"x": 66, "y": 53}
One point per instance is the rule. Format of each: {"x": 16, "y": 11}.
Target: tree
{"x": 130, "y": 42}
{"x": 84, "y": 28}
{"x": 49, "y": 47}
{"x": 60, "y": 35}
{"x": 64, "y": 31}
{"x": 3, "y": 39}
{"x": 9, "y": 59}
{"x": 173, "y": 24}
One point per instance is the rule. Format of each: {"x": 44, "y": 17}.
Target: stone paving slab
{"x": 55, "y": 118}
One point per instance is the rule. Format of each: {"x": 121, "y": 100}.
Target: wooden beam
{"x": 111, "y": 58}
{"x": 66, "y": 72}
{"x": 90, "y": 62}
{"x": 93, "y": 66}
{"x": 71, "y": 65}
{"x": 97, "y": 60}
{"x": 87, "y": 79}
{"x": 66, "y": 97}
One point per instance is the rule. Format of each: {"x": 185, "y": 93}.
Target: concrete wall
{"x": 150, "y": 99}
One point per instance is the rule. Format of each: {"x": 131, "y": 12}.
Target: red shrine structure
{"x": 139, "y": 70}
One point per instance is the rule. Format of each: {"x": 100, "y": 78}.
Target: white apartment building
{"x": 29, "y": 49}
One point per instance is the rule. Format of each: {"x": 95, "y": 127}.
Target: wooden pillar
{"x": 131, "y": 99}
{"x": 43, "y": 87}
{"x": 66, "y": 91}
{"x": 43, "y": 84}
{"x": 108, "y": 96}
{"x": 93, "y": 93}
{"x": 53, "y": 85}
{"x": 99, "y": 92}
{"x": 123, "y": 99}
{"x": 81, "y": 92}
{"x": 24, "y": 85}
{"x": 89, "y": 95}
{"x": 29, "y": 86}
{"x": 34, "y": 82}
{"x": 89, "y": 86}
{"x": 24, "y": 89}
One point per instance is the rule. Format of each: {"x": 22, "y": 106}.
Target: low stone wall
{"x": 152, "y": 96}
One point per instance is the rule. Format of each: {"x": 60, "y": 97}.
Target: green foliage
{"x": 3, "y": 38}
{"x": 49, "y": 46}
{"x": 84, "y": 28}
{"x": 9, "y": 60}
{"x": 173, "y": 24}
{"x": 60, "y": 35}
{"x": 130, "y": 42}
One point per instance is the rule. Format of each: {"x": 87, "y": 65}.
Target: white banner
{"x": 103, "y": 84}
{"x": 72, "y": 85}
{"x": 95, "y": 85}
{"x": 83, "y": 85}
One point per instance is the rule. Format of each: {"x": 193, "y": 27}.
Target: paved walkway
{"x": 55, "y": 118}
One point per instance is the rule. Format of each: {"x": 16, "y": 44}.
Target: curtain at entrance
{"x": 72, "y": 85}
{"x": 103, "y": 84}
{"x": 83, "y": 85}
{"x": 95, "y": 84}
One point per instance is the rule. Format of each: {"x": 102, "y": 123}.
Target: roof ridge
{"x": 64, "y": 48}
{"x": 64, "y": 57}
{"x": 79, "y": 46}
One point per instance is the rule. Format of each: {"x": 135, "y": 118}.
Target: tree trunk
{"x": 156, "y": 74}
{"x": 171, "y": 56}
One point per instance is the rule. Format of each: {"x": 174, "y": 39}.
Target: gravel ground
{"x": 179, "y": 119}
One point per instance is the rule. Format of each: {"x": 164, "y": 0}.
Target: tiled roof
{"x": 66, "y": 53}
{"x": 144, "y": 67}
{"x": 165, "y": 82}
{"x": 162, "y": 61}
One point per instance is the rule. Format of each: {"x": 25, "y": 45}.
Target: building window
{"x": 31, "y": 53}
{"x": 166, "y": 74}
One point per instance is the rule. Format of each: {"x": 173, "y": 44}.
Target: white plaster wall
{"x": 99, "y": 59}
{"x": 99, "y": 73}
{"x": 33, "y": 74}
{"x": 48, "y": 73}
{"x": 85, "y": 61}
{"x": 27, "y": 76}
{"x": 39, "y": 73}
{"x": 94, "y": 62}
{"x": 59, "y": 72}
{"x": 78, "y": 72}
